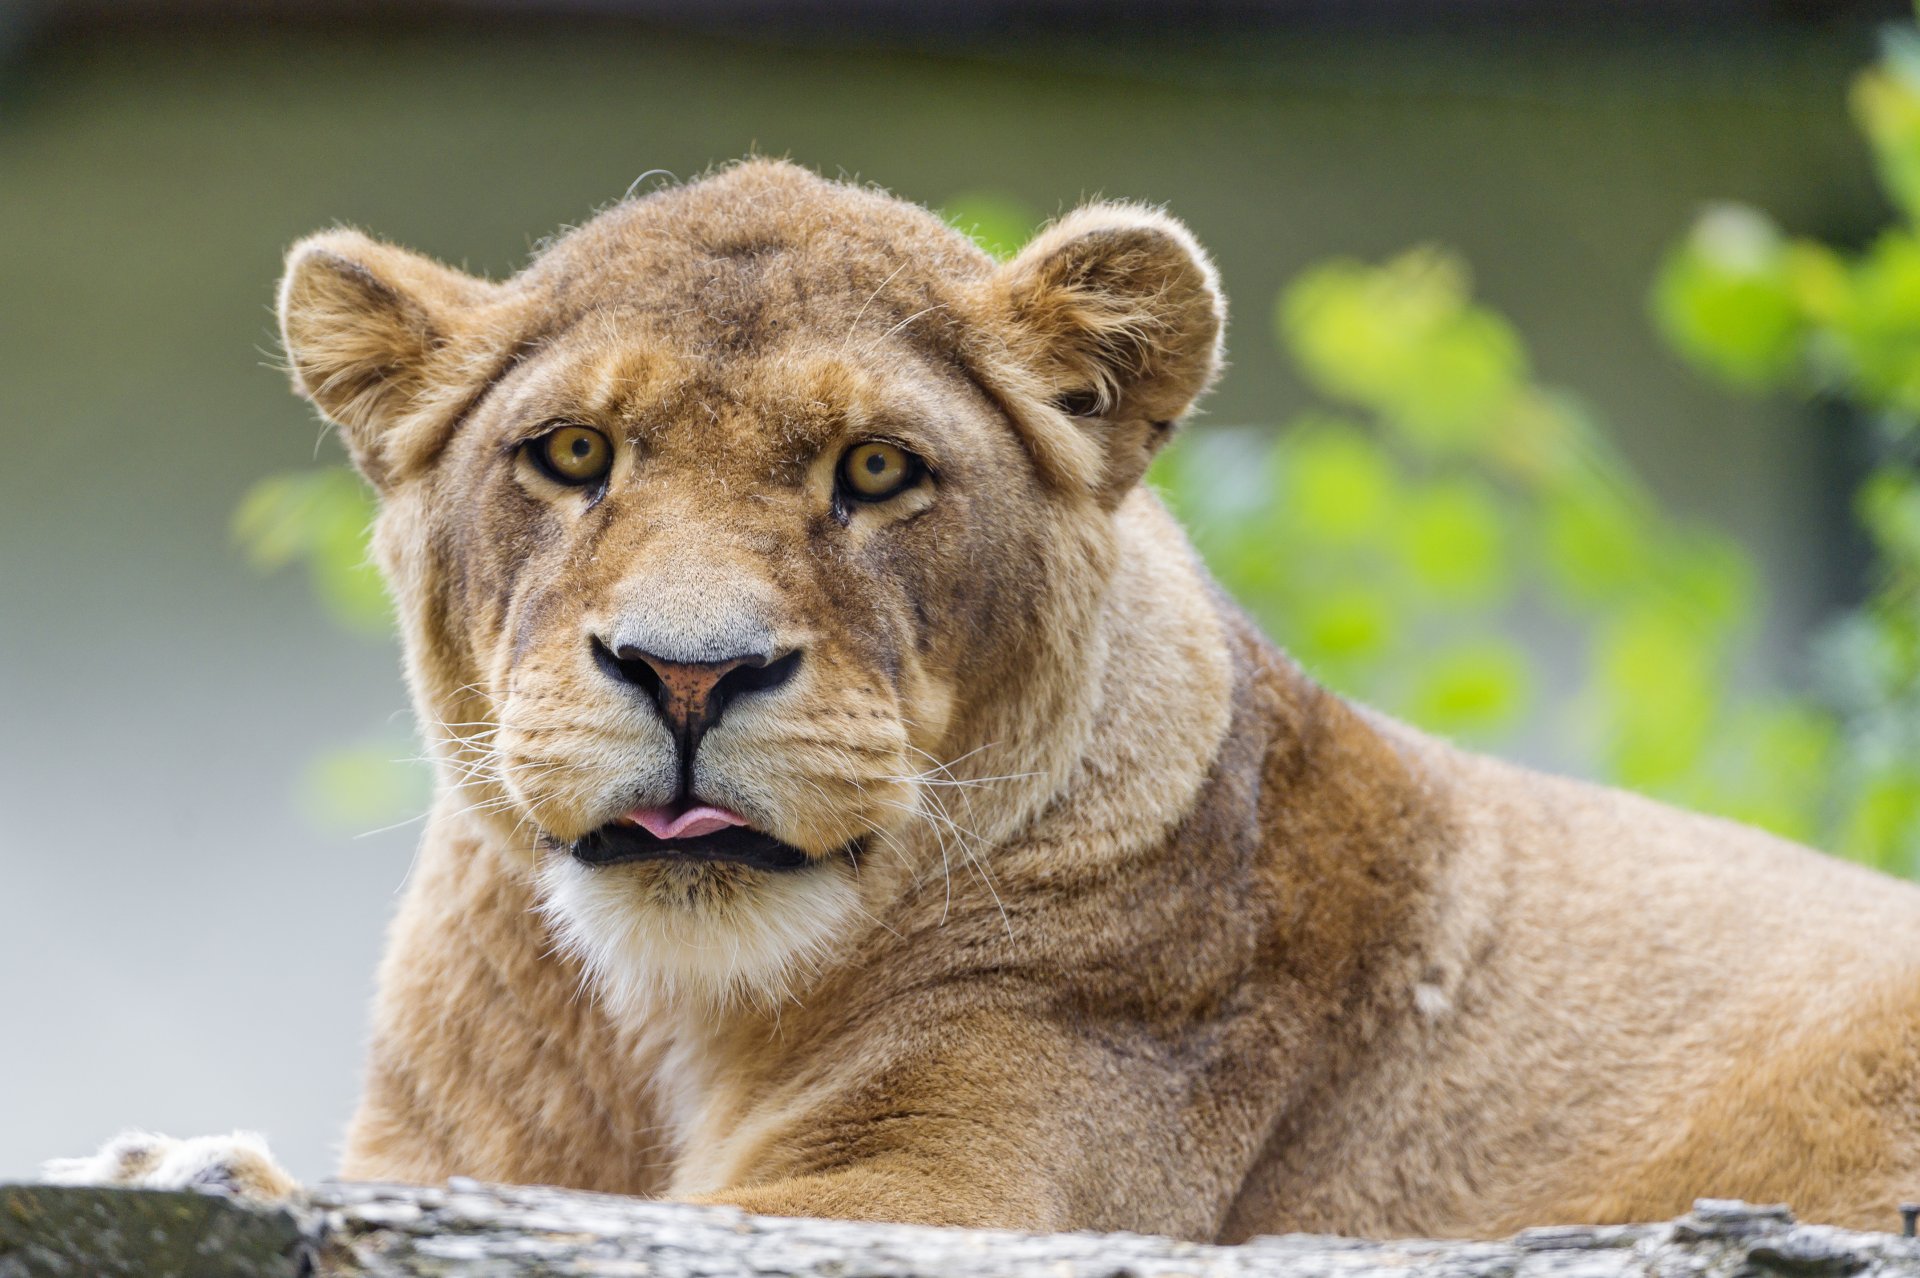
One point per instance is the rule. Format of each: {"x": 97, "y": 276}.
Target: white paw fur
{"x": 237, "y": 1164}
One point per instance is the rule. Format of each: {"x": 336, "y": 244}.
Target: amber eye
{"x": 576, "y": 455}
{"x": 875, "y": 471}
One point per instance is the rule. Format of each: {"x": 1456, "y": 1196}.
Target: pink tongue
{"x": 668, "y": 823}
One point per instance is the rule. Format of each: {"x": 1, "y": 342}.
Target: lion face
{"x": 744, "y": 526}
{"x": 732, "y": 618}
{"x": 734, "y": 605}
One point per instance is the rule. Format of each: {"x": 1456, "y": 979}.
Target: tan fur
{"x": 1145, "y": 931}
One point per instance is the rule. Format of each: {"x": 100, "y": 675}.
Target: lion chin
{"x": 651, "y": 933}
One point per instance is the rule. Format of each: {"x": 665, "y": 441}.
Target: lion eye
{"x": 875, "y": 471}
{"x": 576, "y": 455}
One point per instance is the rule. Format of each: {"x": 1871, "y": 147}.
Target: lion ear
{"x": 363, "y": 323}
{"x": 1119, "y": 311}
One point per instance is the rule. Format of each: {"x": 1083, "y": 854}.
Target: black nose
{"x": 692, "y": 694}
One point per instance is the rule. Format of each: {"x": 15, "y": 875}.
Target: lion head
{"x": 745, "y": 532}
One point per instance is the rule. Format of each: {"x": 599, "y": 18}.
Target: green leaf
{"x": 1883, "y": 826}
{"x": 1345, "y": 626}
{"x": 1727, "y": 298}
{"x": 1659, "y": 683}
{"x": 1454, "y": 536}
{"x": 323, "y": 517}
{"x": 1709, "y": 576}
{"x": 1405, "y": 341}
{"x": 1773, "y": 768}
{"x": 1873, "y": 344}
{"x": 1595, "y": 542}
{"x": 997, "y": 222}
{"x": 1886, "y": 105}
{"x": 1337, "y": 485}
{"x": 1475, "y": 688}
{"x": 1889, "y": 508}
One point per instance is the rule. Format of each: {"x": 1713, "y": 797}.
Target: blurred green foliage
{"x": 1443, "y": 500}
{"x": 1763, "y": 310}
{"x": 319, "y": 518}
{"x": 1395, "y": 541}
{"x": 998, "y": 223}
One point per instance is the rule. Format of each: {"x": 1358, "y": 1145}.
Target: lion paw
{"x": 237, "y": 1165}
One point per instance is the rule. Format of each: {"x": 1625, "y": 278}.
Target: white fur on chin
{"x": 642, "y": 942}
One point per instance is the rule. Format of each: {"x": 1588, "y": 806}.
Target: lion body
{"x": 1367, "y": 984}
{"x": 1168, "y": 939}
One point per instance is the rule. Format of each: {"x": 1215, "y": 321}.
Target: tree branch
{"x": 469, "y": 1229}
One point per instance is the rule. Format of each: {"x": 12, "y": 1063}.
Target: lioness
{"x": 855, "y": 799}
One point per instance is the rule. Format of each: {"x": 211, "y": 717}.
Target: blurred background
{"x": 1576, "y": 355}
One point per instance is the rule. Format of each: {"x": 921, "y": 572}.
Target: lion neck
{"x": 1122, "y": 708}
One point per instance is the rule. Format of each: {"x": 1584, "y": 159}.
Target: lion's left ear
{"x": 1118, "y": 310}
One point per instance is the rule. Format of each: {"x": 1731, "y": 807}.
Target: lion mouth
{"x": 689, "y": 833}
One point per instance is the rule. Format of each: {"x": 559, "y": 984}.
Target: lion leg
{"x": 886, "y": 1194}
{"x": 1008, "y": 1123}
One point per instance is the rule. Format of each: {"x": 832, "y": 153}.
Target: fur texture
{"x": 1111, "y": 918}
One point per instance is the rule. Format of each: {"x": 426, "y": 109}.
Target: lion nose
{"x": 692, "y": 694}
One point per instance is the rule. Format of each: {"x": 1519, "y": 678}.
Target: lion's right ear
{"x": 363, "y": 323}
